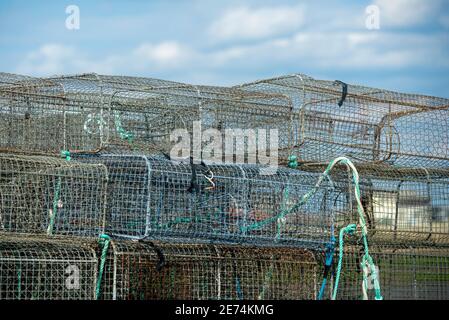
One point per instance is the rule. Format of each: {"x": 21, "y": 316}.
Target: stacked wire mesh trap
{"x": 161, "y": 270}
{"x": 366, "y": 124}
{"x": 94, "y": 205}
{"x": 159, "y": 198}
{"x": 400, "y": 196}
{"x": 34, "y": 267}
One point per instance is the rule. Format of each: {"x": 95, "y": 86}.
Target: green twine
{"x": 66, "y": 154}
{"x": 104, "y": 241}
{"x": 355, "y": 175}
{"x": 350, "y": 229}
{"x": 125, "y": 135}
{"x": 293, "y": 161}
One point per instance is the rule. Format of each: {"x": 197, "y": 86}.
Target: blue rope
{"x": 238, "y": 288}
{"x": 328, "y": 264}
{"x": 349, "y": 229}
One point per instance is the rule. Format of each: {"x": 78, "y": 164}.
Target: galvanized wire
{"x": 366, "y": 124}
{"x": 40, "y": 268}
{"x": 89, "y": 113}
{"x": 51, "y": 196}
{"x": 145, "y": 271}
{"x": 406, "y": 272}
{"x": 157, "y": 197}
{"x": 401, "y": 204}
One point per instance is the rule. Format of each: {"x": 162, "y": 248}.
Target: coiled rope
{"x": 350, "y": 229}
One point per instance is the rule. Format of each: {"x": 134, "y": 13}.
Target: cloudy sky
{"x": 226, "y": 42}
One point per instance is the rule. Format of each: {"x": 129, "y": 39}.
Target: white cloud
{"x": 352, "y": 50}
{"x": 257, "y": 23}
{"x": 51, "y": 59}
{"x": 48, "y": 59}
{"x": 358, "y": 50}
{"x": 164, "y": 53}
{"x": 403, "y": 13}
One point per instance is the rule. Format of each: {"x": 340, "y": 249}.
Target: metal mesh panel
{"x": 88, "y": 113}
{"x": 10, "y": 78}
{"x": 51, "y": 195}
{"x": 406, "y": 273}
{"x": 150, "y": 196}
{"x": 36, "y": 268}
{"x": 370, "y": 125}
{"x": 400, "y": 204}
{"x": 135, "y": 271}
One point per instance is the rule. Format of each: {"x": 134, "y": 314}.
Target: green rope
{"x": 66, "y": 154}
{"x": 125, "y": 135}
{"x": 104, "y": 241}
{"x": 355, "y": 176}
{"x": 350, "y": 229}
{"x": 293, "y": 162}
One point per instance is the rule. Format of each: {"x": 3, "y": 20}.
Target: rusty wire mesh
{"x": 11, "y": 78}
{"x": 366, "y": 124}
{"x": 37, "y": 268}
{"x": 157, "y": 270}
{"x": 108, "y": 123}
{"x": 157, "y": 197}
{"x": 406, "y": 272}
{"x": 89, "y": 113}
{"x": 50, "y": 195}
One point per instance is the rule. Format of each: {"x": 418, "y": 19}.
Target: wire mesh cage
{"x": 157, "y": 197}
{"x": 366, "y": 124}
{"x": 37, "y": 117}
{"x": 400, "y": 204}
{"x": 147, "y": 270}
{"x": 89, "y": 113}
{"x": 10, "y": 78}
{"x": 405, "y": 272}
{"x": 51, "y": 195}
{"x": 37, "y": 268}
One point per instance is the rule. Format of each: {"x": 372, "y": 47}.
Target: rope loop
{"x": 349, "y": 230}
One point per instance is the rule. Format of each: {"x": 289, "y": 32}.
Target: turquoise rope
{"x": 293, "y": 162}
{"x": 125, "y": 135}
{"x": 350, "y": 229}
{"x": 355, "y": 175}
{"x": 238, "y": 288}
{"x": 104, "y": 241}
{"x": 66, "y": 154}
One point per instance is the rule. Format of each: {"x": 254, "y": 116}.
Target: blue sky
{"x": 230, "y": 42}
